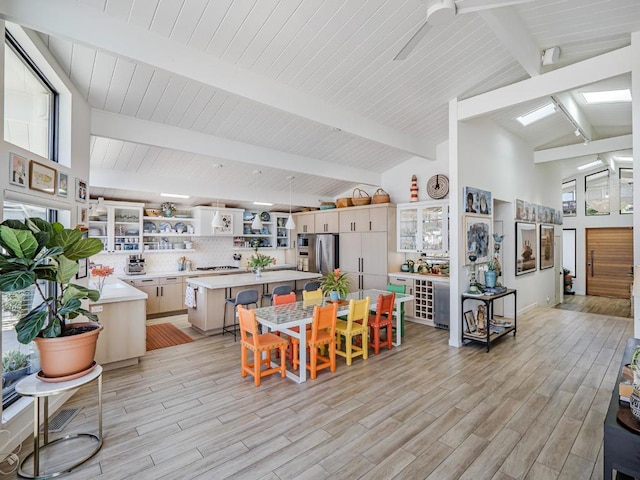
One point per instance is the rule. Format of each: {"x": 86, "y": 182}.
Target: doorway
{"x": 609, "y": 258}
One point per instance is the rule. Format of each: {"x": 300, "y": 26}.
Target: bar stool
{"x": 244, "y": 298}
{"x": 279, "y": 290}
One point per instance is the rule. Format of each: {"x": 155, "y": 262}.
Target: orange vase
{"x": 68, "y": 355}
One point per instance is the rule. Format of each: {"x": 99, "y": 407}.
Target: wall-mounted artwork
{"x": 526, "y": 248}
{"x": 42, "y": 177}
{"x": 546, "y": 246}
{"x": 18, "y": 170}
{"x": 63, "y": 184}
{"x": 81, "y": 190}
{"x": 477, "y": 234}
{"x": 477, "y": 201}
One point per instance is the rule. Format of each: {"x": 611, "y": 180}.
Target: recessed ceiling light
{"x": 264, "y": 204}
{"x": 609, "y": 96}
{"x": 174, "y": 195}
{"x": 537, "y": 114}
{"x": 623, "y": 159}
{"x": 595, "y": 163}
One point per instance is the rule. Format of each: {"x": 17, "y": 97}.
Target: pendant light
{"x": 217, "y": 218}
{"x": 257, "y": 222}
{"x": 291, "y": 224}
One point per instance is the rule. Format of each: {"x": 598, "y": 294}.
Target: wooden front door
{"x": 609, "y": 254}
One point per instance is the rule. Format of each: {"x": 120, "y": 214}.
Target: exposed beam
{"x": 508, "y": 27}
{"x": 588, "y": 71}
{"x": 592, "y": 148}
{"x": 143, "y": 182}
{"x": 130, "y": 129}
{"x": 77, "y": 22}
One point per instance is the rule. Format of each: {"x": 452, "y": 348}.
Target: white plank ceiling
{"x": 339, "y": 53}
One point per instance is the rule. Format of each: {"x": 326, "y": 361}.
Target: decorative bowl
{"x": 152, "y": 212}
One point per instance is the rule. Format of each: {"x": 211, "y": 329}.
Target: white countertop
{"x": 118, "y": 291}
{"x": 411, "y": 276}
{"x": 245, "y": 279}
{"x": 202, "y": 273}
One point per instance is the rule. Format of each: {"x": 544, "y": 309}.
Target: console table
{"x": 621, "y": 446}
{"x": 488, "y": 302}
{"x": 31, "y": 386}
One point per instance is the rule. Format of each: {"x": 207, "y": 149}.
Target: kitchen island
{"x": 211, "y": 293}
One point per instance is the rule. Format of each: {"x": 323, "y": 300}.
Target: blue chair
{"x": 244, "y": 298}
{"x": 391, "y": 287}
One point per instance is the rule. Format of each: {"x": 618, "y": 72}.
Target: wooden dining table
{"x": 283, "y": 318}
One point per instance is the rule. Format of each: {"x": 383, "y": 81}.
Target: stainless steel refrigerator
{"x": 319, "y": 251}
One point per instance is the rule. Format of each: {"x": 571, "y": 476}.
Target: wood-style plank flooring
{"x": 617, "y": 307}
{"x": 532, "y": 408}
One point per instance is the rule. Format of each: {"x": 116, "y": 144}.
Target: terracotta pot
{"x": 63, "y": 356}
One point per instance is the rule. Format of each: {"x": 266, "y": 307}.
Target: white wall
{"x": 580, "y": 222}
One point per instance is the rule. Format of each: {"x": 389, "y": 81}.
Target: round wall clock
{"x": 438, "y": 186}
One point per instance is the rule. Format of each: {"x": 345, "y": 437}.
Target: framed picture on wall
{"x": 42, "y": 177}
{"x": 477, "y": 201}
{"x": 477, "y": 230}
{"x": 81, "y": 190}
{"x": 17, "y": 170}
{"x": 63, "y": 184}
{"x": 526, "y": 247}
{"x": 546, "y": 246}
{"x": 83, "y": 215}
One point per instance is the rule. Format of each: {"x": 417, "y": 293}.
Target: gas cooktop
{"x": 218, "y": 268}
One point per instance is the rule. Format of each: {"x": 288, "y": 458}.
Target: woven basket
{"x": 360, "y": 197}
{"x": 344, "y": 202}
{"x": 152, "y": 212}
{"x": 381, "y": 196}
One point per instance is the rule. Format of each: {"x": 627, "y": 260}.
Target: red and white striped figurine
{"x": 414, "y": 188}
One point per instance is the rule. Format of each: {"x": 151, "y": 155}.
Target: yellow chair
{"x": 312, "y": 296}
{"x": 352, "y": 328}
{"x": 323, "y": 333}
{"x": 259, "y": 343}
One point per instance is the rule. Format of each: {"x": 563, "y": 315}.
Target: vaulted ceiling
{"x": 301, "y": 87}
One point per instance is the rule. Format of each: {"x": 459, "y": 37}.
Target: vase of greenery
{"x": 36, "y": 251}
{"x": 337, "y": 282}
{"x": 490, "y": 275}
{"x": 258, "y": 261}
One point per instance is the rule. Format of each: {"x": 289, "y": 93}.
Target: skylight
{"x": 610, "y": 96}
{"x": 586, "y": 166}
{"x": 173, "y": 195}
{"x": 623, "y": 159}
{"x": 537, "y": 114}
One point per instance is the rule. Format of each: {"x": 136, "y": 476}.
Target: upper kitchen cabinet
{"x": 118, "y": 226}
{"x": 231, "y": 217}
{"x": 423, "y": 227}
{"x": 305, "y": 222}
{"x": 327, "y": 222}
{"x": 283, "y": 236}
{"x": 371, "y": 218}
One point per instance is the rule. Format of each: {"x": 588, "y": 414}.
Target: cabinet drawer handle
{"x": 171, "y": 278}
{"x": 150, "y": 280}
{"x": 400, "y": 279}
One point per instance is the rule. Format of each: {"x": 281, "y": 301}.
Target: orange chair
{"x": 258, "y": 343}
{"x": 382, "y": 319}
{"x": 283, "y": 299}
{"x": 351, "y": 329}
{"x": 323, "y": 333}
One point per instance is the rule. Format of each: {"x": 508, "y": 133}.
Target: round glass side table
{"x": 31, "y": 386}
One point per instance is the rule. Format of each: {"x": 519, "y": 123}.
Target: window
{"x": 14, "y": 306}
{"x": 569, "y": 204}
{"x": 30, "y": 104}
{"x": 596, "y": 188}
{"x": 626, "y": 190}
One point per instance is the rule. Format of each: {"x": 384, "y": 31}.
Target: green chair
{"x": 398, "y": 289}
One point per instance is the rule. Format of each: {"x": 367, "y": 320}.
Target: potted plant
{"x": 258, "y": 261}
{"x": 335, "y": 285}
{"x": 568, "y": 281}
{"x": 36, "y": 251}
{"x": 15, "y": 364}
{"x": 491, "y": 274}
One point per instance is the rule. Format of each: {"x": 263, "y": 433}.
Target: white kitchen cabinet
{"x": 409, "y": 307}
{"x": 327, "y": 222}
{"x": 231, "y": 217}
{"x": 283, "y": 236}
{"x": 364, "y": 257}
{"x": 119, "y": 227}
{"x": 251, "y": 238}
{"x": 123, "y": 338}
{"x": 369, "y": 218}
{"x": 167, "y": 233}
{"x": 305, "y": 223}
{"x": 423, "y": 228}
{"x": 164, "y": 294}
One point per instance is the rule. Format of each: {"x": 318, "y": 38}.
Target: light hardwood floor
{"x": 619, "y": 307}
{"x": 532, "y": 408}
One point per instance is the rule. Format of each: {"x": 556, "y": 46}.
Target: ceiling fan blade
{"x": 413, "y": 42}
{"x": 468, "y": 6}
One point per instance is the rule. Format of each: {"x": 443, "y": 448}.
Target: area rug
{"x": 165, "y": 335}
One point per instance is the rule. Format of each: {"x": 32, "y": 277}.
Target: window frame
{"x": 586, "y": 199}
{"x": 566, "y": 212}
{"x": 620, "y": 190}
{"x": 53, "y": 129}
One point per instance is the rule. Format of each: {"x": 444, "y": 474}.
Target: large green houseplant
{"x": 33, "y": 251}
